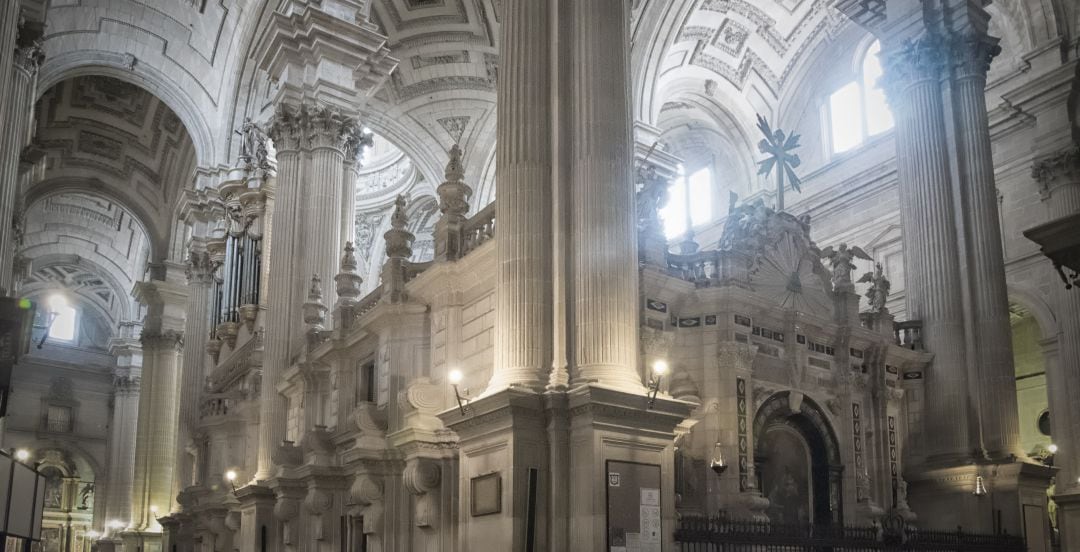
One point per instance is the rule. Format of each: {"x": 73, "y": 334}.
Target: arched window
{"x": 858, "y": 110}
{"x": 689, "y": 202}
{"x": 65, "y": 316}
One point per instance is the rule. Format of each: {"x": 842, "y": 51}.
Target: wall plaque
{"x": 486, "y": 494}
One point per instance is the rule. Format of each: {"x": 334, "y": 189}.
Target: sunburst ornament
{"x": 778, "y": 146}
{"x": 786, "y": 272}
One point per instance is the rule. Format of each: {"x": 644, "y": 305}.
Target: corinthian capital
{"x": 972, "y": 53}
{"x": 29, "y": 58}
{"x": 200, "y": 269}
{"x": 288, "y": 127}
{"x": 331, "y": 129}
{"x": 915, "y": 60}
{"x": 1056, "y": 170}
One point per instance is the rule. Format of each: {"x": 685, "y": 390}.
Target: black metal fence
{"x": 697, "y": 534}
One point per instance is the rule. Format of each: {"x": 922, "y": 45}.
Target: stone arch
{"x": 68, "y": 65}
{"x": 793, "y": 415}
{"x": 1044, "y": 315}
{"x": 94, "y": 187}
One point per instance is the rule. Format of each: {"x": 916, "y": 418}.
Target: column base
{"x": 1012, "y": 498}
{"x": 137, "y": 541}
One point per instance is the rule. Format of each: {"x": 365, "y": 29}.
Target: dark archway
{"x": 797, "y": 461}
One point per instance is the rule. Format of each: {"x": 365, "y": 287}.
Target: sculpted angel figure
{"x": 652, "y": 195}
{"x": 879, "y": 288}
{"x": 841, "y": 261}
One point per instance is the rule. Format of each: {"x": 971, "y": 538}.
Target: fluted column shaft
{"x": 986, "y": 270}
{"x": 605, "y": 288}
{"x": 348, "y": 203}
{"x": 931, "y": 251}
{"x": 196, "y": 330}
{"x": 155, "y": 449}
{"x": 283, "y": 295}
{"x": 16, "y": 135}
{"x": 523, "y": 301}
{"x": 322, "y": 235}
{"x": 121, "y": 468}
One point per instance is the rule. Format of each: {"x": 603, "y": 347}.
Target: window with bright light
{"x": 63, "y": 323}
{"x": 858, "y": 110}
{"x": 689, "y": 202}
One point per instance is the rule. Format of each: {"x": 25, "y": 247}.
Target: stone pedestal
{"x": 257, "y": 523}
{"x": 945, "y": 498}
{"x": 502, "y": 437}
{"x": 608, "y": 425}
{"x": 550, "y": 453}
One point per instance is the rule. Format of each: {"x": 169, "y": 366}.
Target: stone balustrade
{"x": 909, "y": 334}
{"x": 479, "y": 229}
{"x": 215, "y": 405}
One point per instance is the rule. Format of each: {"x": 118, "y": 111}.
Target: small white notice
{"x": 650, "y": 497}
{"x": 633, "y": 542}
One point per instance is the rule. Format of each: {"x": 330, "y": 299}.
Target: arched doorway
{"x": 1031, "y": 391}
{"x": 797, "y": 461}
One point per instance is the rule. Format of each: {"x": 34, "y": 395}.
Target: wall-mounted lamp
{"x": 980, "y": 486}
{"x": 22, "y": 455}
{"x": 659, "y": 368}
{"x": 717, "y": 463}
{"x": 230, "y": 476}
{"x": 462, "y": 400}
{"x": 1052, "y": 448}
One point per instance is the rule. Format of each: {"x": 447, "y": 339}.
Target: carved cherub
{"x": 879, "y": 288}
{"x": 841, "y": 261}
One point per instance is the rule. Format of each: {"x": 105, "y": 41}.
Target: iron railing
{"x": 699, "y": 534}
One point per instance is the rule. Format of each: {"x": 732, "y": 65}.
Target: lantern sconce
{"x": 717, "y": 463}
{"x": 980, "y": 486}
{"x": 659, "y": 368}
{"x": 462, "y": 400}
{"x": 231, "y": 477}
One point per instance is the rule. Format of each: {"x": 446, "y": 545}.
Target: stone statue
{"x": 253, "y": 151}
{"x": 652, "y": 195}
{"x": 842, "y": 265}
{"x": 879, "y": 288}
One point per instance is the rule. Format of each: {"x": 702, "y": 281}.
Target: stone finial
{"x": 348, "y": 280}
{"x": 314, "y": 309}
{"x": 398, "y": 239}
{"x": 454, "y": 193}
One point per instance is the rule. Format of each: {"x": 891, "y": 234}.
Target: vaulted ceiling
{"x": 113, "y": 137}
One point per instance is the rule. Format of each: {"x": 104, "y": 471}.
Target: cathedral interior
{"x": 540, "y": 275}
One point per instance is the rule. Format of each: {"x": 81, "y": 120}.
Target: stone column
{"x": 1058, "y": 178}
{"x": 122, "y": 428}
{"x": 284, "y": 284}
{"x": 321, "y": 209}
{"x": 605, "y": 288}
{"x": 200, "y": 275}
{"x": 998, "y": 416}
{"x": 16, "y": 134}
{"x": 931, "y": 251}
{"x": 162, "y": 339}
{"x": 523, "y": 300}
